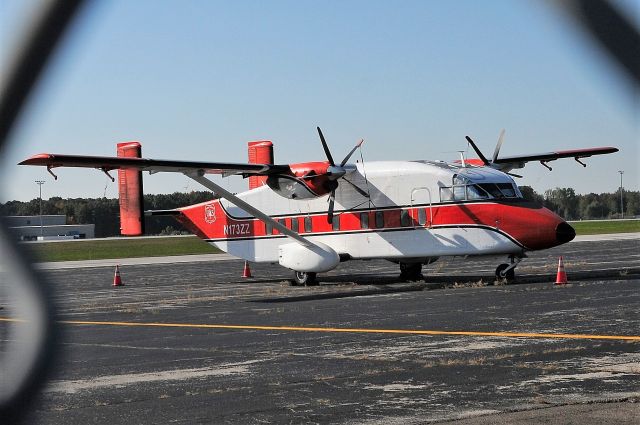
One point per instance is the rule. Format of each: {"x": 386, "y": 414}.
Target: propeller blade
{"x": 515, "y": 175}
{"x": 497, "y": 151}
{"x": 360, "y": 191}
{"x": 475, "y": 148}
{"x": 346, "y": 158}
{"x": 332, "y": 198}
{"x": 325, "y": 147}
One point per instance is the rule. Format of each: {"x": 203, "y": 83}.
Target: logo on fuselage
{"x": 209, "y": 213}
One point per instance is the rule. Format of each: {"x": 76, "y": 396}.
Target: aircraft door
{"x": 421, "y": 200}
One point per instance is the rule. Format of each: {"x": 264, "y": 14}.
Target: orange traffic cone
{"x": 246, "y": 272}
{"x": 561, "y": 277}
{"x": 117, "y": 280}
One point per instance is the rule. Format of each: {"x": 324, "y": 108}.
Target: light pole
{"x": 621, "y": 190}
{"x": 40, "y": 183}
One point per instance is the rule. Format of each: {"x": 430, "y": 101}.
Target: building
{"x": 47, "y": 227}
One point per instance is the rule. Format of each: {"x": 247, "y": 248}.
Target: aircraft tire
{"x": 304, "y": 279}
{"x": 509, "y": 276}
{"x": 410, "y": 272}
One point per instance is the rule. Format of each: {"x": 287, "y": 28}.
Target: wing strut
{"x": 198, "y": 176}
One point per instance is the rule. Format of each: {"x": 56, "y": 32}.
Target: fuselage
{"x": 416, "y": 210}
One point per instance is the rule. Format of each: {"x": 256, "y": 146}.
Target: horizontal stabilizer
{"x": 162, "y": 212}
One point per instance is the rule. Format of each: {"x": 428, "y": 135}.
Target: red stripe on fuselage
{"x": 532, "y": 226}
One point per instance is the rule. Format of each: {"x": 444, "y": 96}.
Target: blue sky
{"x": 198, "y": 79}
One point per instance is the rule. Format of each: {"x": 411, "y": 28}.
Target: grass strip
{"x": 97, "y": 249}
{"x": 604, "y": 227}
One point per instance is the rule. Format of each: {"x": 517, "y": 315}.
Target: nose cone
{"x": 564, "y": 233}
{"x": 536, "y": 227}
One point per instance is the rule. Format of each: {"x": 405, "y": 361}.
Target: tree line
{"x": 104, "y": 212}
{"x": 571, "y": 206}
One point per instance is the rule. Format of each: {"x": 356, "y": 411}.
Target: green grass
{"x": 97, "y": 249}
{"x": 128, "y": 248}
{"x": 602, "y": 227}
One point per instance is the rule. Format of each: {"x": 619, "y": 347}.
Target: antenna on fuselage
{"x": 464, "y": 164}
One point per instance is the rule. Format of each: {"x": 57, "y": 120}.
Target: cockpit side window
{"x": 474, "y": 192}
{"x": 458, "y": 193}
{"x": 464, "y": 189}
{"x": 446, "y": 194}
{"x": 462, "y": 192}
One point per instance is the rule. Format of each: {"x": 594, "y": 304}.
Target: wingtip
{"x": 39, "y": 159}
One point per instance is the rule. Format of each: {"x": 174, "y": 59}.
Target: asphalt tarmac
{"x": 196, "y": 343}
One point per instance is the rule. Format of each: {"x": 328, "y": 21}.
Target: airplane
{"x": 309, "y": 217}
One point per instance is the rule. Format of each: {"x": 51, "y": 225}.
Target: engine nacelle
{"x": 307, "y": 180}
{"x": 319, "y": 258}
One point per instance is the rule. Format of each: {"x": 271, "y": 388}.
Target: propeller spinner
{"x": 336, "y": 172}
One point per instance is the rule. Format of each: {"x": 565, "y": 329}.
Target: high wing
{"x": 507, "y": 163}
{"x": 108, "y": 163}
{"x": 194, "y": 170}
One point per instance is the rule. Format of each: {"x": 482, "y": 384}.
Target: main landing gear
{"x": 304, "y": 279}
{"x": 411, "y": 272}
{"x": 508, "y": 271}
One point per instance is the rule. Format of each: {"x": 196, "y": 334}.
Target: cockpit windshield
{"x": 464, "y": 189}
{"x": 500, "y": 190}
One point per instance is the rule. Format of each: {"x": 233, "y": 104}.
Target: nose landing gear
{"x": 508, "y": 271}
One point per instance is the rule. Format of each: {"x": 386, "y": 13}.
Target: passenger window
{"x": 364, "y": 220}
{"x": 336, "y": 222}
{"x": 308, "y": 228}
{"x": 405, "y": 218}
{"x": 294, "y": 224}
{"x": 422, "y": 216}
{"x": 379, "y": 219}
{"x": 282, "y": 221}
{"x": 268, "y": 228}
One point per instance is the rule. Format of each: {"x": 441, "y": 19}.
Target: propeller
{"x": 336, "y": 172}
{"x": 478, "y": 152}
{"x": 498, "y": 146}
{"x": 495, "y": 153}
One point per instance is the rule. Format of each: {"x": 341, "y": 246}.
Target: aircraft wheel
{"x": 304, "y": 279}
{"x": 500, "y": 274}
{"x": 411, "y": 271}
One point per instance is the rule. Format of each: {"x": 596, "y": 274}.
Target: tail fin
{"x": 130, "y": 191}
{"x": 260, "y": 152}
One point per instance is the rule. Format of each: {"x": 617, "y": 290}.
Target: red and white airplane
{"x": 408, "y": 212}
